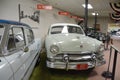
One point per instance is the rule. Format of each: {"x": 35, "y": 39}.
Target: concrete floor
{"x": 96, "y": 73}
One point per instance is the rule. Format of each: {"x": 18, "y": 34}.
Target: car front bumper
{"x": 83, "y": 63}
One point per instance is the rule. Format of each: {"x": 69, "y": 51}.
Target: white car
{"x": 19, "y": 51}
{"x": 118, "y": 33}
{"x": 68, "y": 47}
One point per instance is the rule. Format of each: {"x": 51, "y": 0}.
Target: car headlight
{"x": 101, "y": 48}
{"x": 54, "y": 49}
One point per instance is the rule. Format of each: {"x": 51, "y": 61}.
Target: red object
{"x": 82, "y": 66}
{"x": 75, "y": 17}
{"x": 63, "y": 13}
{"x": 81, "y": 19}
{"x": 41, "y": 6}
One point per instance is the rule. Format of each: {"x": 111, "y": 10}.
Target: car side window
{"x": 11, "y": 41}
{"x": 74, "y": 29}
{"x": 30, "y": 36}
{"x": 16, "y": 38}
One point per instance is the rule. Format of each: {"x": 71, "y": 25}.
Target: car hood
{"x": 75, "y": 43}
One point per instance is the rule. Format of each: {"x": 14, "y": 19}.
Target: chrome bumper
{"x": 67, "y": 62}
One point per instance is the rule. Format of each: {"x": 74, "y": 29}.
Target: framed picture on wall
{"x": 97, "y": 27}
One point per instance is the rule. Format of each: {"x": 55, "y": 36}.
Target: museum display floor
{"x": 42, "y": 73}
{"x": 96, "y": 73}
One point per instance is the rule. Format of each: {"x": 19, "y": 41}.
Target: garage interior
{"x": 66, "y": 11}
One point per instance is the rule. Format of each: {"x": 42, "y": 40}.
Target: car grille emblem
{"x": 81, "y": 46}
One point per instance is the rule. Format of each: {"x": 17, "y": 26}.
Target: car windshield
{"x": 1, "y": 32}
{"x": 66, "y": 29}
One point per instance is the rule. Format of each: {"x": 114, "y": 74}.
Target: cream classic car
{"x": 19, "y": 51}
{"x": 68, "y": 47}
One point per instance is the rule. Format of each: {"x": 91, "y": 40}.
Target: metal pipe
{"x": 114, "y": 65}
{"x": 95, "y": 23}
{"x": 109, "y": 59}
{"x": 19, "y": 12}
{"x": 86, "y": 16}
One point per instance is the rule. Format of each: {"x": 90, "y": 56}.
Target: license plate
{"x": 82, "y": 66}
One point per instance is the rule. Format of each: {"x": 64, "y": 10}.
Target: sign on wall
{"x": 63, "y": 13}
{"x": 46, "y": 7}
{"x": 75, "y": 17}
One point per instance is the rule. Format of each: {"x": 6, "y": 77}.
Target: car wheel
{"x": 91, "y": 69}
{"x": 38, "y": 61}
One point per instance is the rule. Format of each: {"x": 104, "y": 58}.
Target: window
{"x": 16, "y": 38}
{"x": 66, "y": 29}
{"x": 2, "y": 28}
{"x": 11, "y": 41}
{"x": 74, "y": 29}
{"x": 56, "y": 29}
{"x": 30, "y": 36}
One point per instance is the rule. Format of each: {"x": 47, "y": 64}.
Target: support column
{"x": 19, "y": 12}
{"x": 86, "y": 16}
{"x": 95, "y": 23}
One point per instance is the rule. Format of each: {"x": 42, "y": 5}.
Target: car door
{"x": 31, "y": 45}
{"x": 6, "y": 72}
{"x": 15, "y": 47}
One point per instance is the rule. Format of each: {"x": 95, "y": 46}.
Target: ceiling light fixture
{"x": 89, "y": 6}
{"x": 94, "y": 14}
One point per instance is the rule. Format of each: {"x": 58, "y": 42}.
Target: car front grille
{"x": 87, "y": 57}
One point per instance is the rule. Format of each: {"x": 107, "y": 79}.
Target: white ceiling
{"x": 75, "y": 7}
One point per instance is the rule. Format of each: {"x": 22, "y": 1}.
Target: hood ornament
{"x": 81, "y": 46}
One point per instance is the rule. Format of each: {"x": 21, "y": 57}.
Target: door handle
{"x": 19, "y": 55}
